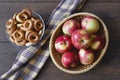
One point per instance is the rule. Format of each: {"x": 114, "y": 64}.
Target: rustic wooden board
{"x": 8, "y": 53}
{"x": 44, "y": 9}
{"x": 54, "y": 0}
{"x": 107, "y": 69}
{"x": 110, "y": 14}
{"x": 108, "y": 10}
{"x": 29, "y": 0}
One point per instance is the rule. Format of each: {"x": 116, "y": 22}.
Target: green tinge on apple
{"x": 90, "y": 24}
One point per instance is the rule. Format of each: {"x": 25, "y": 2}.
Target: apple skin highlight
{"x": 70, "y": 60}
{"x": 70, "y": 26}
{"x": 81, "y": 39}
{"x": 86, "y": 56}
{"x": 63, "y": 44}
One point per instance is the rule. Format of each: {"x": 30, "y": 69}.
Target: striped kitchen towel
{"x": 29, "y": 61}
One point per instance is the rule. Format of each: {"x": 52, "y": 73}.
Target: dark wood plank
{"x": 109, "y": 12}
{"x": 104, "y": 0}
{"x": 29, "y": 0}
{"x": 107, "y": 69}
{"x": 54, "y": 0}
{"x": 8, "y": 53}
{"x": 44, "y": 9}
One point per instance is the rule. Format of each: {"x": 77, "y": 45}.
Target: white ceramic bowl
{"x": 38, "y": 16}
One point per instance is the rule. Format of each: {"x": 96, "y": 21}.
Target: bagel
{"x": 27, "y": 33}
{"x": 20, "y": 42}
{"x": 28, "y": 12}
{"x": 21, "y": 17}
{"x": 27, "y": 25}
{"x": 19, "y": 25}
{"x": 14, "y": 16}
{"x": 18, "y": 35}
{"x": 11, "y": 30}
{"x": 24, "y": 29}
{"x": 33, "y": 19}
{"x": 12, "y": 38}
{"x": 10, "y": 23}
{"x": 38, "y": 25}
{"x": 33, "y": 37}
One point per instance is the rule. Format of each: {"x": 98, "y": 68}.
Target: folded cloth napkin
{"x": 29, "y": 61}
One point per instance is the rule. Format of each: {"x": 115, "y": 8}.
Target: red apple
{"x": 63, "y": 44}
{"x": 90, "y": 24}
{"x": 69, "y": 60}
{"x": 81, "y": 39}
{"x": 98, "y": 42}
{"x": 86, "y": 56}
{"x": 69, "y": 26}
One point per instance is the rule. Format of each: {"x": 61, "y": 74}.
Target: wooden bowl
{"x": 56, "y": 57}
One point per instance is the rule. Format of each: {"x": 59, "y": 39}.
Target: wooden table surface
{"x": 108, "y": 10}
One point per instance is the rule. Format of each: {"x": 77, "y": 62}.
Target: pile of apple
{"x": 79, "y": 42}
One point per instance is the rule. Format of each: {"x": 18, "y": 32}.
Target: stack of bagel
{"x": 24, "y": 29}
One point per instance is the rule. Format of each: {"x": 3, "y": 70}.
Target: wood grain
{"x": 44, "y": 9}
{"x": 107, "y": 69}
{"x": 8, "y": 53}
{"x": 109, "y": 14}
{"x": 108, "y": 10}
{"x": 55, "y": 0}
{"x": 30, "y": 0}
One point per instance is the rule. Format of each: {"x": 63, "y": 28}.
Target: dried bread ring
{"x": 10, "y": 23}
{"x": 19, "y": 34}
{"x": 14, "y": 16}
{"x": 27, "y": 11}
{"x": 21, "y": 17}
{"x": 38, "y": 25}
{"x": 12, "y": 38}
{"x": 20, "y": 42}
{"x": 11, "y": 30}
{"x": 33, "y": 37}
{"x": 33, "y": 19}
{"x": 27, "y": 25}
{"x": 24, "y": 29}
{"x": 27, "y": 33}
{"x": 19, "y": 25}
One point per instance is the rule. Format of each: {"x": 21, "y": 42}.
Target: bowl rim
{"x": 34, "y": 14}
{"x": 101, "y": 55}
{"x": 40, "y": 17}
